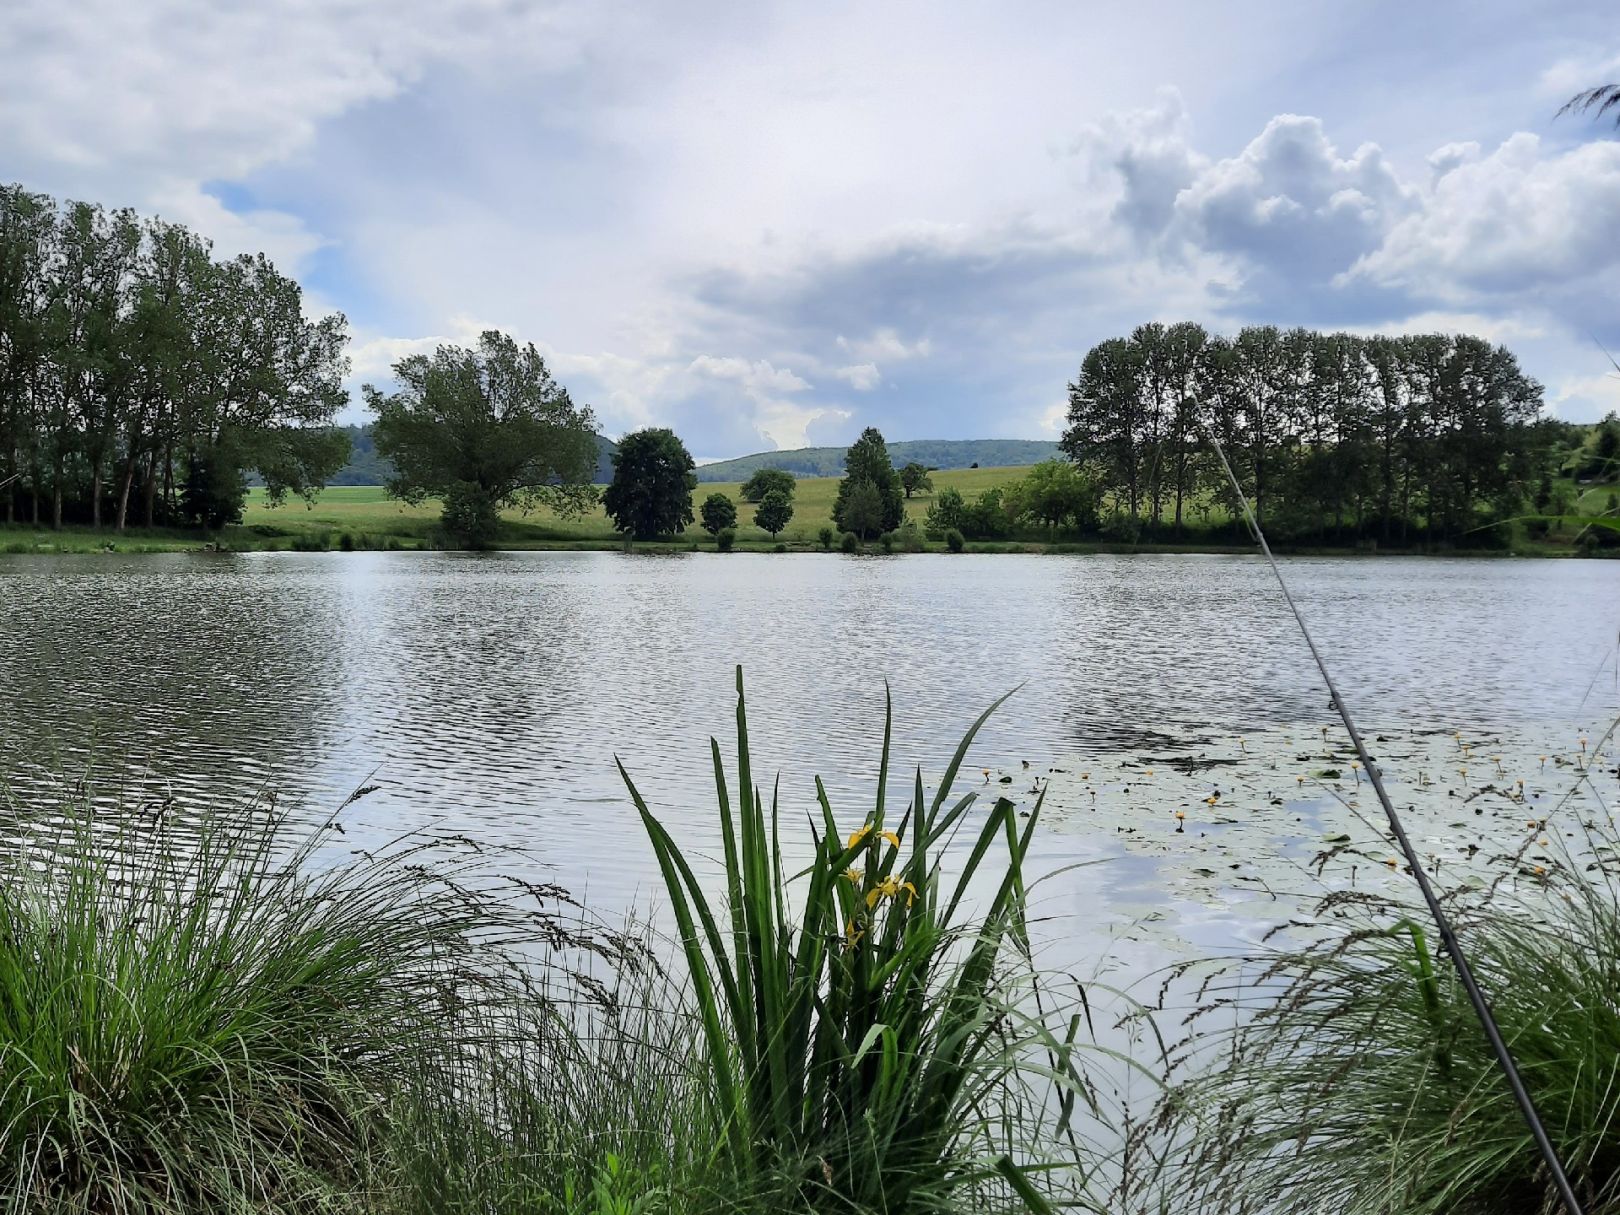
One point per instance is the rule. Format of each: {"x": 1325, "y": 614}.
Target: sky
{"x": 771, "y": 225}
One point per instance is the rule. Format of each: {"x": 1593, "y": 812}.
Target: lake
{"x": 491, "y": 692}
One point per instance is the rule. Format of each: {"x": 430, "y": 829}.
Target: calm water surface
{"x": 492, "y": 691}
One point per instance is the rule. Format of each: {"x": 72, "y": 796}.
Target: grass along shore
{"x": 373, "y": 520}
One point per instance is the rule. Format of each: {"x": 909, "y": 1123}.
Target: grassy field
{"x": 368, "y": 509}
{"x": 372, "y": 520}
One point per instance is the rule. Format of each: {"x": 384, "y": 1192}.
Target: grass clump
{"x": 858, "y": 1041}
{"x": 222, "y": 1020}
{"x": 1364, "y": 1083}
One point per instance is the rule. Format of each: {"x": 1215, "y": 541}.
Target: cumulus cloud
{"x": 1516, "y": 220}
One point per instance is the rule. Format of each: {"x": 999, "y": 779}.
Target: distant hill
{"x": 935, "y": 453}
{"x": 366, "y": 467}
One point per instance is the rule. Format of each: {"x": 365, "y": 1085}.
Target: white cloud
{"x": 862, "y": 377}
{"x": 1585, "y": 398}
{"x": 1512, "y": 221}
{"x": 885, "y": 345}
{"x": 757, "y": 376}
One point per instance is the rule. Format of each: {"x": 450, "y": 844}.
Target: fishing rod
{"x": 1448, "y": 938}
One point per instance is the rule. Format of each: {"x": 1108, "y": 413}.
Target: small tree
{"x": 653, "y": 480}
{"x": 773, "y": 512}
{"x": 863, "y": 510}
{"x": 765, "y": 480}
{"x": 946, "y": 514}
{"x": 214, "y": 490}
{"x": 868, "y": 461}
{"x": 1053, "y": 493}
{"x": 915, "y": 479}
{"x": 718, "y": 512}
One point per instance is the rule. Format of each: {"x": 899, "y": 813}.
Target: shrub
{"x": 346, "y": 542}
{"x": 886, "y": 541}
{"x": 780, "y": 548}
{"x": 909, "y": 537}
{"x": 851, "y": 543}
{"x": 954, "y": 541}
{"x": 826, "y": 535}
{"x": 725, "y": 538}
{"x": 312, "y": 542}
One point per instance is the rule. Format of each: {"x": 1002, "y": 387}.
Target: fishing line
{"x": 1448, "y": 938}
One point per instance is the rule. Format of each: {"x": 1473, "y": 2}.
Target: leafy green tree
{"x": 774, "y": 512}
{"x": 867, "y": 461}
{"x": 653, "y": 480}
{"x": 1054, "y": 493}
{"x": 214, "y": 490}
{"x": 986, "y": 518}
{"x": 862, "y": 512}
{"x": 718, "y": 512}
{"x": 946, "y": 513}
{"x": 484, "y": 429}
{"x": 914, "y": 478}
{"x": 765, "y": 480}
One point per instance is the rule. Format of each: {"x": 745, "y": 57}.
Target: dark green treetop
{"x": 868, "y": 461}
{"x": 653, "y": 480}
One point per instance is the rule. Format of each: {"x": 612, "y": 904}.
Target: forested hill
{"x": 935, "y": 453}
{"x": 366, "y": 467}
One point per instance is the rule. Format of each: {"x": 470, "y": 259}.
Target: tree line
{"x": 1330, "y": 435}
{"x": 141, "y": 377}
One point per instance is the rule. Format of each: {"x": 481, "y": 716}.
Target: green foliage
{"x": 914, "y": 478}
{"x": 1364, "y": 1082}
{"x": 1332, "y": 436}
{"x": 216, "y": 1018}
{"x": 850, "y": 543}
{"x": 886, "y": 542}
{"x": 719, "y": 512}
{"x": 471, "y": 515}
{"x": 765, "y": 480}
{"x": 214, "y": 490}
{"x": 856, "y": 1041}
{"x": 126, "y": 350}
{"x": 870, "y": 499}
{"x": 651, "y": 493}
{"x": 775, "y": 511}
{"x": 725, "y": 539}
{"x": 825, "y": 535}
{"x": 484, "y": 429}
{"x": 954, "y": 540}
{"x": 860, "y": 508}
{"x": 1055, "y": 494}
{"x": 947, "y": 513}
{"x": 987, "y": 517}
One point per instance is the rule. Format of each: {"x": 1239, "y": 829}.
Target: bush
{"x": 909, "y": 537}
{"x": 780, "y": 548}
{"x": 886, "y": 541}
{"x": 954, "y": 541}
{"x": 826, "y": 535}
{"x": 346, "y": 542}
{"x": 312, "y": 542}
{"x": 946, "y": 513}
{"x": 851, "y": 543}
{"x": 725, "y": 538}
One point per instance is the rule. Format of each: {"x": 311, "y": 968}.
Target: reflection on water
{"x": 492, "y": 691}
